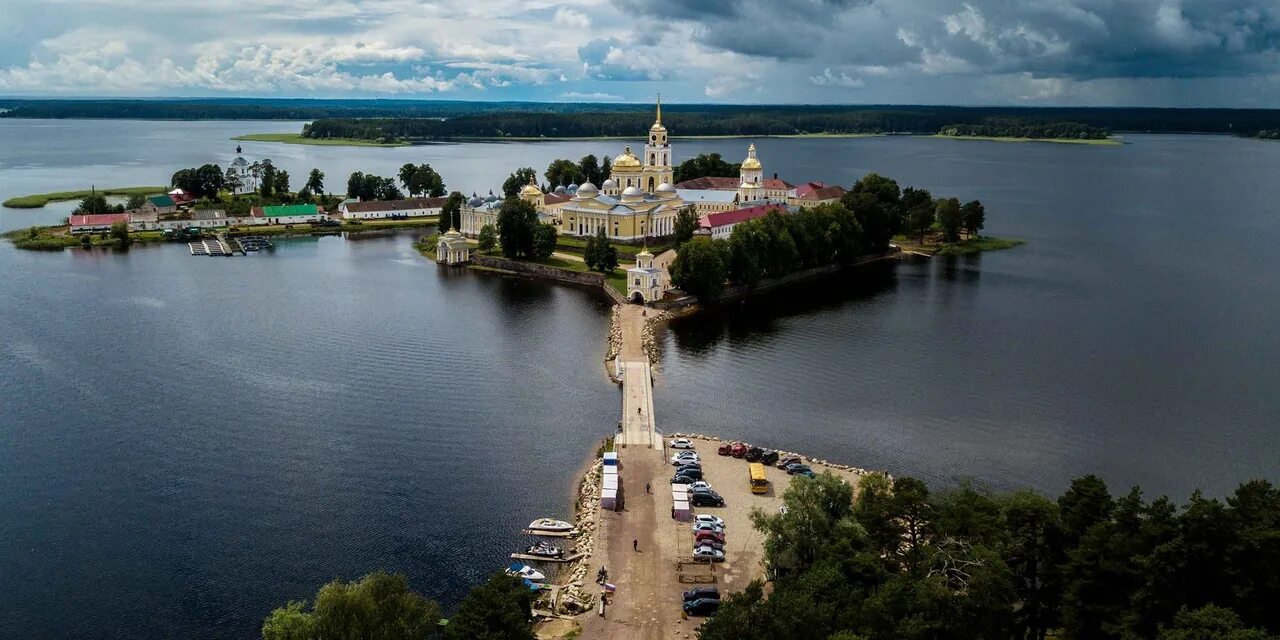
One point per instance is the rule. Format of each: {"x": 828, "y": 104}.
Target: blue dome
{"x": 474, "y": 202}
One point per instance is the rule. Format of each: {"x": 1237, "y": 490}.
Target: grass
{"x": 58, "y": 238}
{"x": 574, "y": 244}
{"x": 978, "y": 245}
{"x": 35, "y": 201}
{"x": 296, "y": 138}
{"x": 1106, "y": 142}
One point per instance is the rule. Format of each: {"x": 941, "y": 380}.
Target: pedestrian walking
{"x": 635, "y": 544}
{"x": 646, "y": 488}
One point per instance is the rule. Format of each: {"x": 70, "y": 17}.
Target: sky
{"x": 1016, "y": 52}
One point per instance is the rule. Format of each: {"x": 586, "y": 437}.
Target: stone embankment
{"x": 615, "y": 341}
{"x": 783, "y": 454}
{"x": 573, "y": 598}
{"x": 647, "y": 340}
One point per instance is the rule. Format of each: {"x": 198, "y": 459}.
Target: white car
{"x": 684, "y": 456}
{"x": 709, "y": 519}
{"x": 707, "y": 526}
{"x": 682, "y": 443}
{"x": 708, "y": 553}
{"x": 700, "y": 485}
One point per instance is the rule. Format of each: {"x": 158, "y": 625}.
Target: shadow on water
{"x": 758, "y": 316}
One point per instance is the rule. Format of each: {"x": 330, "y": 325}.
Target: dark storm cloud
{"x": 1081, "y": 39}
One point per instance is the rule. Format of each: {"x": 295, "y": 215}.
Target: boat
{"x": 545, "y": 550}
{"x": 526, "y": 572}
{"x": 550, "y": 524}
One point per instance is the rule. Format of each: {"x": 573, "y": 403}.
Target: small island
{"x": 38, "y": 200}
{"x": 1021, "y": 130}
{"x": 297, "y": 138}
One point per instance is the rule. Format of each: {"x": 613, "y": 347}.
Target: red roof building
{"x": 95, "y": 222}
{"x": 814, "y": 193}
{"x": 721, "y": 224}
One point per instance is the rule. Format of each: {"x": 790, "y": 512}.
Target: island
{"x": 297, "y": 138}
{"x": 38, "y": 200}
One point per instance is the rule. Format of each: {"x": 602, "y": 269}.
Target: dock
{"x": 565, "y": 559}
{"x": 551, "y": 534}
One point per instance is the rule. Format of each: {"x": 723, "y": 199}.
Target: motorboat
{"x": 545, "y": 550}
{"x": 526, "y": 572}
{"x": 550, "y": 524}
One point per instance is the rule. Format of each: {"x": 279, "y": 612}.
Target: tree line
{"x": 861, "y": 223}
{"x": 796, "y": 120}
{"x": 381, "y": 605}
{"x": 901, "y": 563}
{"x": 1018, "y": 128}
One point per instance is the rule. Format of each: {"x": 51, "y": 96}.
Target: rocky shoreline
{"x": 783, "y": 454}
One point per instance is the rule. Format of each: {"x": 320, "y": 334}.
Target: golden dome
{"x": 531, "y": 189}
{"x": 751, "y": 162}
{"x": 626, "y": 160}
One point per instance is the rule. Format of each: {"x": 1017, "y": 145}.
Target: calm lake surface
{"x": 186, "y": 443}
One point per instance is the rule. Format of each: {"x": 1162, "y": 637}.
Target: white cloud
{"x": 828, "y": 79}
{"x": 570, "y": 18}
{"x": 596, "y": 96}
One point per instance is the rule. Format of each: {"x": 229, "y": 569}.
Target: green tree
{"x": 604, "y": 254}
{"x": 451, "y": 212}
{"x": 564, "y": 172}
{"x": 315, "y": 181}
{"x": 686, "y": 224}
{"x": 516, "y": 222}
{"x": 1210, "y": 623}
{"x": 876, "y": 220}
{"x": 517, "y": 180}
{"x": 497, "y": 610}
{"x": 591, "y": 252}
{"x": 136, "y": 200}
{"x": 426, "y": 181}
{"x": 488, "y": 238}
{"x": 380, "y": 605}
{"x": 544, "y": 241}
{"x": 407, "y": 172}
{"x": 281, "y": 186}
{"x": 120, "y": 231}
{"x": 700, "y": 268}
{"x": 355, "y": 185}
{"x": 950, "y": 219}
{"x": 268, "y": 184}
{"x": 705, "y": 165}
{"x": 975, "y": 217}
{"x": 590, "y": 168}
{"x": 232, "y": 180}
{"x": 94, "y": 203}
{"x": 920, "y": 220}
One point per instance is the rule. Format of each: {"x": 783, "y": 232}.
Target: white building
{"x": 375, "y": 209}
{"x": 452, "y": 248}
{"x": 644, "y": 281}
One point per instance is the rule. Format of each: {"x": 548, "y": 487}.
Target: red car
{"x": 723, "y": 449}
{"x": 738, "y": 450}
{"x": 713, "y": 536}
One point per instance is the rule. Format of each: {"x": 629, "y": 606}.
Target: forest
{"x": 902, "y": 562}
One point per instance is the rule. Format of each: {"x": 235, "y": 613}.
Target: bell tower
{"x": 657, "y": 155}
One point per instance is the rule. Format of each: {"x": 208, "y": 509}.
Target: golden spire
{"x": 659, "y": 120}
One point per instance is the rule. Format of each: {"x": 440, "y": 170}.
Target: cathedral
{"x": 637, "y": 201}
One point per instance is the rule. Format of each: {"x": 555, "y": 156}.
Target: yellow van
{"x": 759, "y": 483}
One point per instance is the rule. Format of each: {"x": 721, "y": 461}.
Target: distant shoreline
{"x": 39, "y": 200}
{"x": 1103, "y": 142}
{"x": 296, "y": 138}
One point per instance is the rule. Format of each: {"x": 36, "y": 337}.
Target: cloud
{"x": 570, "y": 18}
{"x": 596, "y": 96}
{"x": 827, "y": 79}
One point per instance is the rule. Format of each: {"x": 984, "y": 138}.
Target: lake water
{"x": 186, "y": 443}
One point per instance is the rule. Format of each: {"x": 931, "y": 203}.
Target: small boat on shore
{"x": 544, "y": 550}
{"x": 525, "y": 571}
{"x": 550, "y": 524}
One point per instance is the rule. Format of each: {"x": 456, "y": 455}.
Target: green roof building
{"x": 162, "y": 202}
{"x": 291, "y": 213}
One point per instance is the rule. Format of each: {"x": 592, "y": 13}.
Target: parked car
{"x": 684, "y": 456}
{"x": 738, "y": 450}
{"x": 808, "y": 473}
{"x": 709, "y": 554}
{"x": 713, "y": 536}
{"x": 789, "y": 460}
{"x": 710, "y": 593}
{"x": 753, "y": 454}
{"x": 680, "y": 478}
{"x": 700, "y": 485}
{"x": 770, "y": 457}
{"x": 693, "y": 472}
{"x": 706, "y": 517}
{"x": 682, "y": 443}
{"x": 702, "y": 606}
{"x": 798, "y": 468}
{"x": 699, "y": 499}
{"x": 718, "y": 546}
{"x": 724, "y": 448}
{"x": 706, "y": 526}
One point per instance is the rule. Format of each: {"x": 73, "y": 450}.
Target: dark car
{"x": 718, "y": 546}
{"x": 738, "y": 450}
{"x": 700, "y": 499}
{"x": 702, "y": 606}
{"x": 788, "y": 461}
{"x": 712, "y": 536}
{"x": 691, "y": 472}
{"x": 754, "y": 454}
{"x": 724, "y": 448}
{"x": 711, "y": 593}
{"x": 682, "y": 479}
{"x": 770, "y": 457}
{"x": 798, "y": 468}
